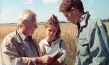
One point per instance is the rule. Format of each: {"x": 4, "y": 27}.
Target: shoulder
{"x": 60, "y": 40}
{"x": 64, "y": 43}
{"x": 9, "y": 38}
{"x": 95, "y": 21}
{"x": 96, "y": 24}
{"x": 43, "y": 45}
{"x": 43, "y": 41}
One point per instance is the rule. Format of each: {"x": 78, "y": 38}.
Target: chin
{"x": 72, "y": 22}
{"x": 32, "y": 33}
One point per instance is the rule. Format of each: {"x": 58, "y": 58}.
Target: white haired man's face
{"x": 30, "y": 26}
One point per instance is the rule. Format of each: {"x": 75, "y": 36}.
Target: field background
{"x": 68, "y": 34}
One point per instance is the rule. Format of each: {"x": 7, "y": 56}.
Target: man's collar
{"x": 83, "y": 19}
{"x": 21, "y": 35}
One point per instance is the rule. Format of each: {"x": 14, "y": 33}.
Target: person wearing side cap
{"x": 92, "y": 39}
{"x": 53, "y": 31}
{"x": 19, "y": 47}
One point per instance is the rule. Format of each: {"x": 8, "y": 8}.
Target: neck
{"x": 22, "y": 31}
{"x": 50, "y": 39}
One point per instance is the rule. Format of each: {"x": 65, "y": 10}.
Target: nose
{"x": 67, "y": 19}
{"x": 35, "y": 26}
{"x": 51, "y": 32}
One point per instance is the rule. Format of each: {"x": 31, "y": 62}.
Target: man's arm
{"x": 99, "y": 45}
{"x": 11, "y": 56}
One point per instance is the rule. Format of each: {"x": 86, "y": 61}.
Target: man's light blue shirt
{"x": 30, "y": 50}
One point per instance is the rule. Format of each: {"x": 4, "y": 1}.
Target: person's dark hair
{"x": 53, "y": 21}
{"x": 66, "y": 5}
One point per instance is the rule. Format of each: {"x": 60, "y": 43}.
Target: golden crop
{"x": 68, "y": 33}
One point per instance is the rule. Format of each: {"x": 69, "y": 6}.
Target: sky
{"x": 10, "y": 9}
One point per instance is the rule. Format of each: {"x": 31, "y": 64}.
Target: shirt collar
{"x": 21, "y": 35}
{"x": 56, "y": 41}
{"x": 83, "y": 19}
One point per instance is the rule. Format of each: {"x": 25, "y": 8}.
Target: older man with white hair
{"x": 19, "y": 47}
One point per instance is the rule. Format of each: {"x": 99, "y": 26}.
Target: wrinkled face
{"x": 51, "y": 31}
{"x": 31, "y": 26}
{"x": 71, "y": 16}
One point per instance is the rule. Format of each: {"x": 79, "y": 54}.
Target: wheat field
{"x": 68, "y": 33}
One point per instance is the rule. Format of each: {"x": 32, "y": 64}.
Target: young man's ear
{"x": 73, "y": 9}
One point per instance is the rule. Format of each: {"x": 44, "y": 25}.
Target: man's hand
{"x": 47, "y": 59}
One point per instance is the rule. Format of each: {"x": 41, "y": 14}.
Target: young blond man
{"x": 92, "y": 39}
